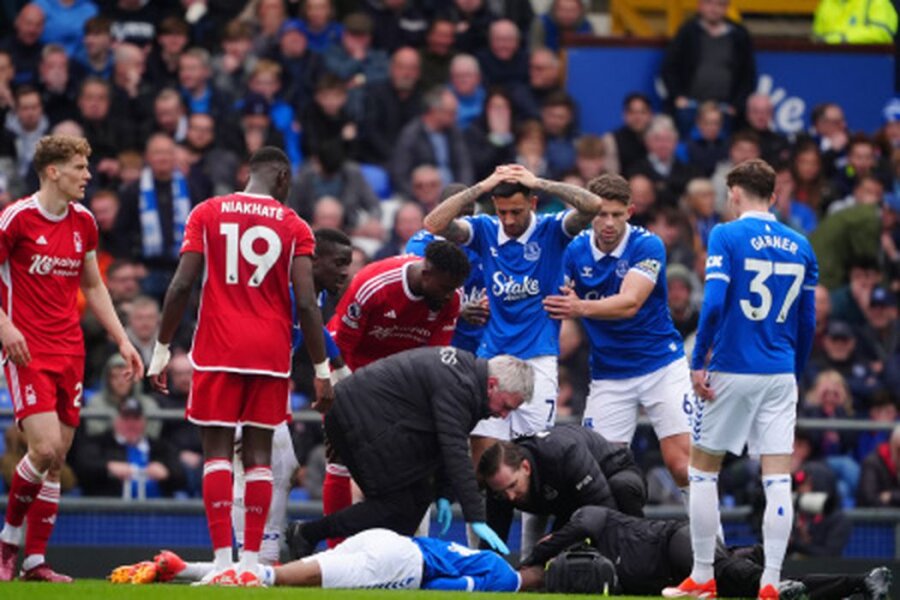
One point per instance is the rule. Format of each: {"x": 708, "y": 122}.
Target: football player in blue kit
{"x": 380, "y": 558}
{"x": 616, "y": 284}
{"x": 521, "y": 255}
{"x": 757, "y": 325}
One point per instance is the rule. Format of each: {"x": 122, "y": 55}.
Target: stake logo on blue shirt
{"x": 518, "y": 273}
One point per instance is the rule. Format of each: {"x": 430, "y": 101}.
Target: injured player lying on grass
{"x": 377, "y": 558}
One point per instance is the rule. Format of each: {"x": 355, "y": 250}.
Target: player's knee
{"x": 677, "y": 460}
{"x": 45, "y": 455}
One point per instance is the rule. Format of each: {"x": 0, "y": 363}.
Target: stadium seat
{"x": 378, "y": 180}
{"x": 299, "y": 401}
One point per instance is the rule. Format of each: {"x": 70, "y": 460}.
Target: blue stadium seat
{"x": 298, "y": 494}
{"x": 378, "y": 180}
{"x": 299, "y": 401}
{"x": 5, "y": 399}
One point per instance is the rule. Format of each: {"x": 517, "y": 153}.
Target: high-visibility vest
{"x": 855, "y": 22}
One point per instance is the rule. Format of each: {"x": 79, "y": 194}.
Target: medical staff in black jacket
{"x": 556, "y": 472}
{"x": 651, "y": 554}
{"x": 402, "y": 427}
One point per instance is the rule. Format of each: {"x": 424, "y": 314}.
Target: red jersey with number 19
{"x": 248, "y": 243}
{"x": 41, "y": 260}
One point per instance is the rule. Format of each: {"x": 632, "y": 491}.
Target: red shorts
{"x": 231, "y": 399}
{"x": 49, "y": 383}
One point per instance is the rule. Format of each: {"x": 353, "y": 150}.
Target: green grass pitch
{"x": 101, "y": 590}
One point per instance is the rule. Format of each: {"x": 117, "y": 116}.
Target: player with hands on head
{"x": 249, "y": 246}
{"x": 48, "y": 249}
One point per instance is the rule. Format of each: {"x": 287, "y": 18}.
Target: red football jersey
{"x": 378, "y": 315}
{"x": 244, "y": 322}
{"x": 41, "y": 260}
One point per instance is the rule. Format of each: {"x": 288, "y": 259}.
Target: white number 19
{"x": 764, "y": 269}
{"x": 237, "y": 243}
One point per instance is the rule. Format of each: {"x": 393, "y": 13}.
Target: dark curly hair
{"x": 446, "y": 257}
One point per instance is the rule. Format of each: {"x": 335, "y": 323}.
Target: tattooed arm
{"x": 443, "y": 219}
{"x": 585, "y": 203}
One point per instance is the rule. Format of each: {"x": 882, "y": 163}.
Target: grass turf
{"x": 101, "y": 590}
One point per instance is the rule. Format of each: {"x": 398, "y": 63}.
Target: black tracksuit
{"x": 571, "y": 467}
{"x": 651, "y": 554}
{"x": 401, "y": 425}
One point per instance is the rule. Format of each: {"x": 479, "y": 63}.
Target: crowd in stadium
{"x": 380, "y": 104}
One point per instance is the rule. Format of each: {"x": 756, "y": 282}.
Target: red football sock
{"x": 41, "y": 519}
{"x": 257, "y": 498}
{"x": 336, "y": 494}
{"x": 217, "y": 498}
{"x": 23, "y": 491}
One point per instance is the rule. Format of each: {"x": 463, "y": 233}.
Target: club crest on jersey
{"x": 532, "y": 251}
{"x": 622, "y": 268}
{"x": 76, "y": 237}
{"x": 354, "y": 311}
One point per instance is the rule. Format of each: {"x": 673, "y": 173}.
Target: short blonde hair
{"x": 56, "y": 149}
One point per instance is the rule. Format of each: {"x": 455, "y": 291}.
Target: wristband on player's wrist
{"x": 322, "y": 370}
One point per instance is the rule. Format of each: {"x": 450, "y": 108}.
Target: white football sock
{"x": 704, "y": 503}
{"x": 777, "y": 523}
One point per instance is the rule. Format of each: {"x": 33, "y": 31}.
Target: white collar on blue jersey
{"x": 758, "y": 214}
{"x": 617, "y": 251}
{"x": 502, "y": 238}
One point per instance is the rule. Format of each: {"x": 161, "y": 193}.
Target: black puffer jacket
{"x": 408, "y": 417}
{"x": 570, "y": 468}
{"x": 638, "y": 547}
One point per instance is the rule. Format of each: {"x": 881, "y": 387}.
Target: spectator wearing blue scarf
{"x": 125, "y": 463}
{"x": 155, "y": 209}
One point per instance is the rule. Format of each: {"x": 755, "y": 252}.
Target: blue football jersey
{"x": 518, "y": 274}
{"x": 766, "y": 274}
{"x": 331, "y": 348}
{"x": 646, "y": 342}
{"x": 450, "y": 566}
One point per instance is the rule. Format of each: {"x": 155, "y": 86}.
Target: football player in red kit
{"x": 249, "y": 246}
{"x": 394, "y": 305}
{"x": 48, "y": 244}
